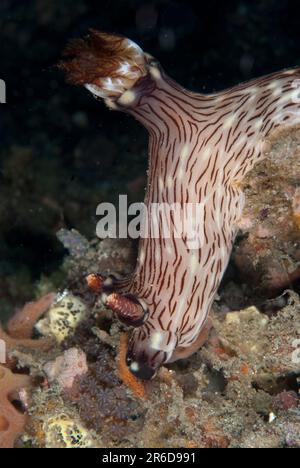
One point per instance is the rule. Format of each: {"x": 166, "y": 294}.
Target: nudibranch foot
{"x": 183, "y": 353}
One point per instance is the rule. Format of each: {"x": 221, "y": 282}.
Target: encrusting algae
{"x": 62, "y": 318}
{"x": 63, "y": 432}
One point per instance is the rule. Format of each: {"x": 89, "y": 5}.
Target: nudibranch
{"x": 200, "y": 149}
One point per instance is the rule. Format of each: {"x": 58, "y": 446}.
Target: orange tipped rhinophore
{"x": 201, "y": 148}
{"x": 127, "y": 308}
{"x": 95, "y": 283}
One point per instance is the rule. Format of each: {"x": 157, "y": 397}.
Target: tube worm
{"x": 200, "y": 149}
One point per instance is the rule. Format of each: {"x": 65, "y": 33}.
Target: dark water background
{"x": 62, "y": 152}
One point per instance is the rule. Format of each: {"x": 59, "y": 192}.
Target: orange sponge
{"x": 135, "y": 385}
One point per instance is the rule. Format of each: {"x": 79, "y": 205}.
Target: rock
{"x": 71, "y": 364}
{"x": 268, "y": 254}
{"x": 285, "y": 401}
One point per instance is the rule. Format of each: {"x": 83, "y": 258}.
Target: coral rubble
{"x": 71, "y": 387}
{"x": 268, "y": 255}
{"x": 240, "y": 390}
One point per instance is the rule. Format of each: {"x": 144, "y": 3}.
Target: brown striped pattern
{"x": 201, "y": 147}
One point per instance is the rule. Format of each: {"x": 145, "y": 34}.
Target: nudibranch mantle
{"x": 200, "y": 149}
